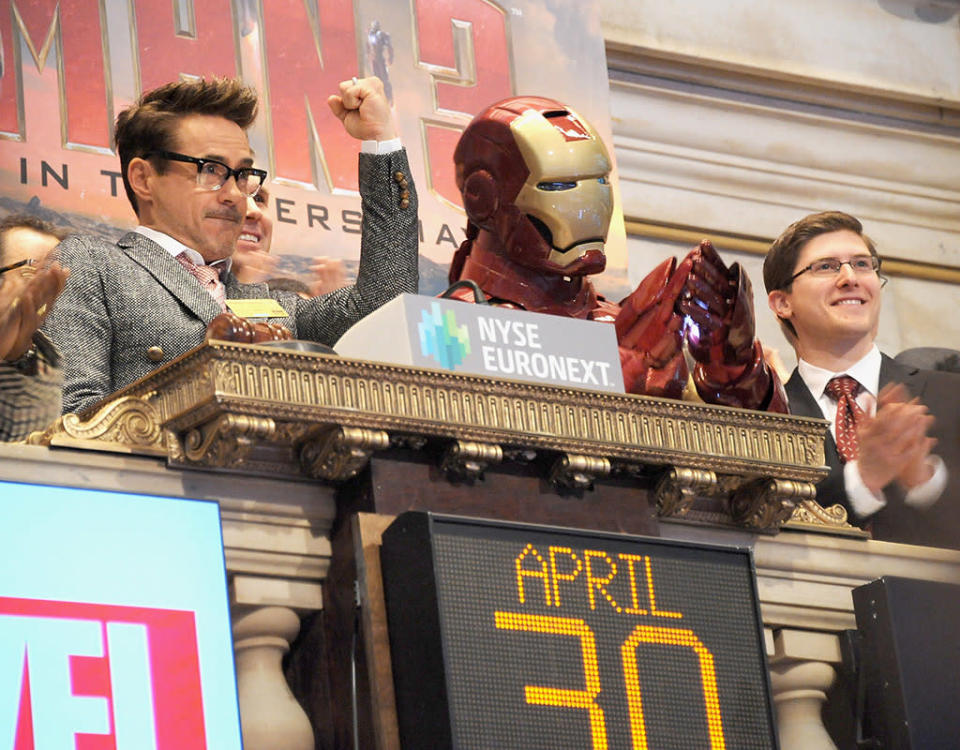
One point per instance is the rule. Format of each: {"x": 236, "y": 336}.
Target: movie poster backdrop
{"x": 69, "y": 67}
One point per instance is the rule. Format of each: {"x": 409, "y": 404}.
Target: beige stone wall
{"x": 903, "y": 48}
{"x": 733, "y": 119}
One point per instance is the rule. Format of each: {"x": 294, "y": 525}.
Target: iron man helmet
{"x": 536, "y": 174}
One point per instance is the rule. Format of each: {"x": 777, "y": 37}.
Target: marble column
{"x": 801, "y": 672}
{"x": 269, "y": 714}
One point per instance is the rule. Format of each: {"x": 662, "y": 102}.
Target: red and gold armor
{"x": 534, "y": 176}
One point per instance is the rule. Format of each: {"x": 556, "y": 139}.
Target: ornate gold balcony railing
{"x": 264, "y": 410}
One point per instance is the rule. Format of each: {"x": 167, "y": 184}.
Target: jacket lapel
{"x": 170, "y": 274}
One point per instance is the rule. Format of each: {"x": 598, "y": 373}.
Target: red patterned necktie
{"x": 209, "y": 278}
{"x": 844, "y": 390}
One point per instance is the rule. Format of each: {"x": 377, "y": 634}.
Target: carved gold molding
{"x": 320, "y": 389}
{"x": 468, "y": 460}
{"x": 341, "y": 452}
{"x": 679, "y": 487}
{"x": 809, "y": 515}
{"x": 578, "y": 472}
{"x": 227, "y": 440}
{"x": 128, "y": 424}
{"x": 262, "y": 410}
{"x": 768, "y": 503}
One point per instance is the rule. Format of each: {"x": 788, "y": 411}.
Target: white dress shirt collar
{"x": 866, "y": 372}
{"x": 175, "y": 247}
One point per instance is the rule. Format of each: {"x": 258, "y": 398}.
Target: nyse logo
{"x": 441, "y": 338}
{"x": 98, "y": 677}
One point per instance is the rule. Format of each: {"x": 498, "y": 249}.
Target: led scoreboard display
{"x": 517, "y": 636}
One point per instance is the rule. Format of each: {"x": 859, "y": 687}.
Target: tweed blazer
{"x": 938, "y": 525}
{"x": 130, "y": 307}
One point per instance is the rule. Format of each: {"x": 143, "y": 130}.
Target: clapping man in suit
{"x": 893, "y": 443}
{"x": 188, "y": 171}
{"x": 30, "y": 379}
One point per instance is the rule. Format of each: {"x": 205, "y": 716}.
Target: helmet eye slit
{"x": 554, "y": 185}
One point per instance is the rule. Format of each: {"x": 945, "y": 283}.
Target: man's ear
{"x": 779, "y": 302}
{"x": 139, "y": 174}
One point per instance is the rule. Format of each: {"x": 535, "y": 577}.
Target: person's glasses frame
{"x": 213, "y": 174}
{"x": 827, "y": 267}
{"x": 23, "y": 265}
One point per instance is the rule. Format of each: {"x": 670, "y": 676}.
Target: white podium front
{"x": 486, "y": 340}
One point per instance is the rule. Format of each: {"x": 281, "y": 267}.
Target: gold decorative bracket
{"x": 765, "y": 504}
{"x": 578, "y": 472}
{"x": 227, "y": 440}
{"x": 341, "y": 452}
{"x": 809, "y": 515}
{"x": 466, "y": 459}
{"x": 679, "y": 487}
{"x": 129, "y": 424}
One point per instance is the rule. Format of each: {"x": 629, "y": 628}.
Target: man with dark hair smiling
{"x": 188, "y": 171}
{"x": 823, "y": 281}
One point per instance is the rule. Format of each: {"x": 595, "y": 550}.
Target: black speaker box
{"x": 910, "y": 657}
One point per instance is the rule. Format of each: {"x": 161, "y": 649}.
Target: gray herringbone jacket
{"x": 122, "y": 299}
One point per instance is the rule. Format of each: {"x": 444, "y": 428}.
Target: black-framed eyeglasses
{"x": 26, "y": 262}
{"x": 213, "y": 174}
{"x": 825, "y": 267}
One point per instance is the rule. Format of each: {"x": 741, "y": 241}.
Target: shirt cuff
{"x": 863, "y": 502}
{"x": 380, "y": 147}
{"x": 926, "y": 494}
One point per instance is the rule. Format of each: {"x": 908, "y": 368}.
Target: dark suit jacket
{"x": 937, "y": 526}
{"x": 123, "y": 299}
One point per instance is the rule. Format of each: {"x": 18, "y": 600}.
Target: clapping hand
{"x": 894, "y": 444}
{"x": 730, "y": 368}
{"x": 327, "y": 275}
{"x": 24, "y": 306}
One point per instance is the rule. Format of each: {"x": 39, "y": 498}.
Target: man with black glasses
{"x": 188, "y": 171}
{"x": 823, "y": 282}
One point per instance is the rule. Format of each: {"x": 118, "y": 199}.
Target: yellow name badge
{"x": 257, "y": 308}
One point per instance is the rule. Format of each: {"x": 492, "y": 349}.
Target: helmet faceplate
{"x": 568, "y": 188}
{"x": 536, "y": 175}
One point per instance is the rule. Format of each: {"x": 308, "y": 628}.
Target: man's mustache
{"x": 228, "y": 215}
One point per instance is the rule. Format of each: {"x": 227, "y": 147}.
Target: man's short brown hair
{"x": 28, "y": 221}
{"x": 780, "y": 264}
{"x": 149, "y": 125}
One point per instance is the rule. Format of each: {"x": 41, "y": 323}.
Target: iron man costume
{"x": 534, "y": 177}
